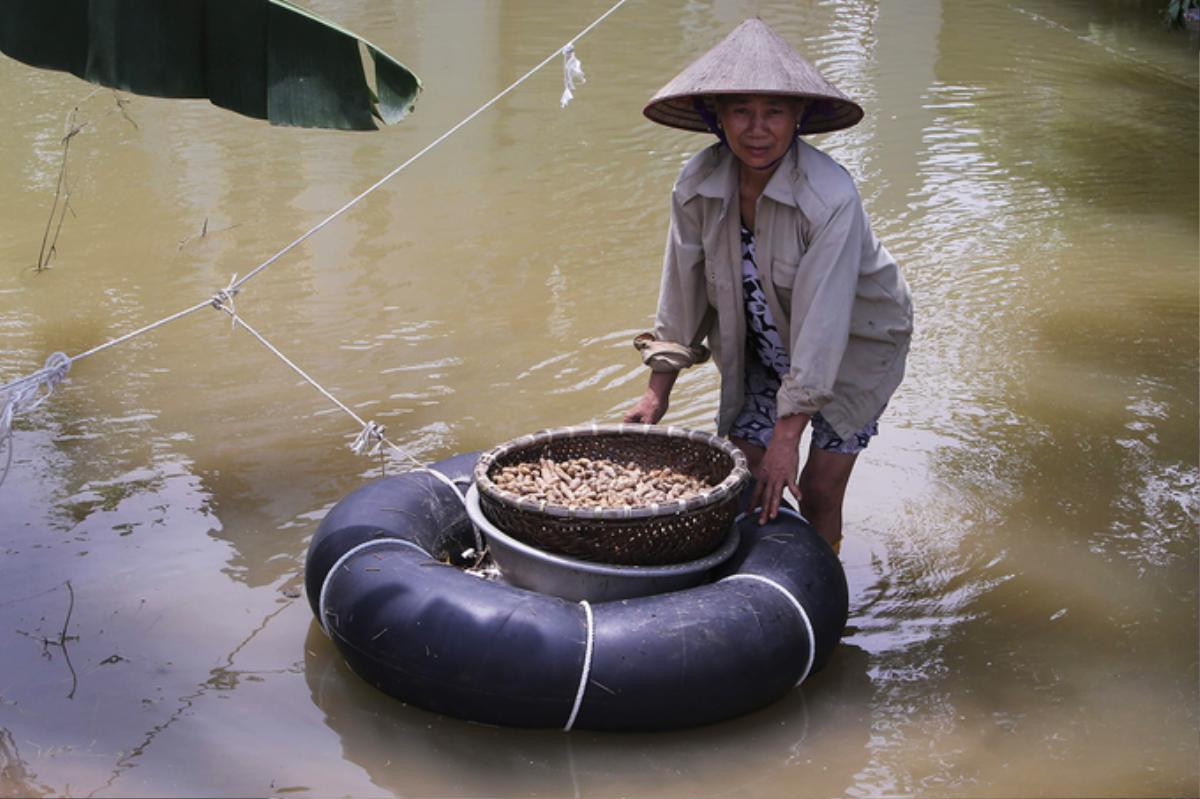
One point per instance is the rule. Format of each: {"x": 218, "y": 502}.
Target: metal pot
{"x": 528, "y": 567}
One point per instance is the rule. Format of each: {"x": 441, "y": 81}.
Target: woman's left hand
{"x": 779, "y": 467}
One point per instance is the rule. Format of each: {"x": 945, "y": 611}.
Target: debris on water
{"x": 488, "y": 572}
{"x": 483, "y": 566}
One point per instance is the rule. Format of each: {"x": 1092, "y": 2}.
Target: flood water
{"x": 1021, "y": 539}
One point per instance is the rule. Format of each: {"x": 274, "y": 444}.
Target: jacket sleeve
{"x": 682, "y": 296}
{"x": 822, "y": 303}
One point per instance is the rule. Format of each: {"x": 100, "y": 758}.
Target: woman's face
{"x": 758, "y": 127}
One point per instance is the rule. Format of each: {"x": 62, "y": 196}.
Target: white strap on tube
{"x": 587, "y": 665}
{"x": 808, "y": 628}
{"x": 443, "y": 478}
{"x": 374, "y": 542}
{"x": 461, "y": 498}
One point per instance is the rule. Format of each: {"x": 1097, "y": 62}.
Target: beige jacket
{"x": 839, "y": 301}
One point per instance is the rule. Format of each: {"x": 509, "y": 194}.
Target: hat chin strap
{"x": 709, "y": 119}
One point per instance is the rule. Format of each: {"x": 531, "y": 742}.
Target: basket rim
{"x": 732, "y": 485}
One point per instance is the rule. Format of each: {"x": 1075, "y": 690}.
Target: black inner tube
{"x": 432, "y": 635}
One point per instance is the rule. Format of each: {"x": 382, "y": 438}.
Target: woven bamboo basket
{"x": 653, "y": 535}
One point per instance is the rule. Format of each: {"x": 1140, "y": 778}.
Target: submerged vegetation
{"x": 267, "y": 59}
{"x": 75, "y": 125}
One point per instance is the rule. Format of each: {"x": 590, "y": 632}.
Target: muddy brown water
{"x": 1021, "y": 537}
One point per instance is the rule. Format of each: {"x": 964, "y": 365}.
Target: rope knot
{"x": 225, "y": 296}
{"x": 223, "y": 300}
{"x": 56, "y": 368}
{"x": 369, "y": 440}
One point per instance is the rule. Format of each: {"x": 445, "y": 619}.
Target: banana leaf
{"x": 268, "y": 59}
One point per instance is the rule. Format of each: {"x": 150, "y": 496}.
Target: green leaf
{"x": 314, "y": 74}
{"x": 398, "y": 88}
{"x": 46, "y": 34}
{"x": 268, "y": 59}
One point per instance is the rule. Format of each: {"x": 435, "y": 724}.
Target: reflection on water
{"x": 1021, "y": 545}
{"x": 774, "y": 744}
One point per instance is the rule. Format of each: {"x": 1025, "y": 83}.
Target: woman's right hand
{"x": 653, "y": 404}
{"x": 649, "y": 409}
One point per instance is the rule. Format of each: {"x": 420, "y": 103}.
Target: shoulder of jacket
{"x": 699, "y": 168}
{"x": 824, "y": 180}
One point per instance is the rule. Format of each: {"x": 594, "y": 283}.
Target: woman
{"x": 770, "y": 257}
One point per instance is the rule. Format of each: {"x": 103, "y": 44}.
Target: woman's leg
{"x": 823, "y": 484}
{"x": 822, "y": 488}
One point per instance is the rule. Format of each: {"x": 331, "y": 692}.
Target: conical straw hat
{"x": 752, "y": 59}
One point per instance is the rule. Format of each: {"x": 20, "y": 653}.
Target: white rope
{"x": 808, "y": 628}
{"x": 372, "y": 436}
{"x": 28, "y": 392}
{"x": 374, "y": 542}
{"x": 16, "y": 393}
{"x": 586, "y": 673}
{"x": 300, "y": 239}
{"x": 145, "y": 329}
{"x": 237, "y": 320}
{"x": 445, "y": 480}
{"x": 25, "y": 394}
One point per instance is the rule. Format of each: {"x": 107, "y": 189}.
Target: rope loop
{"x": 50, "y": 375}
{"x": 56, "y": 368}
{"x": 25, "y": 394}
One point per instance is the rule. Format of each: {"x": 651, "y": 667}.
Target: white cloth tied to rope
{"x": 572, "y": 71}
{"x": 369, "y": 440}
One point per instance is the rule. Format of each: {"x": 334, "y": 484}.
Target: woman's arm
{"x": 653, "y": 404}
{"x": 822, "y": 304}
{"x": 682, "y": 312}
{"x": 779, "y": 467}
{"x": 682, "y": 291}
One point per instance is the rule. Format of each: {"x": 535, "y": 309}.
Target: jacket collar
{"x": 784, "y": 185}
{"x": 719, "y": 180}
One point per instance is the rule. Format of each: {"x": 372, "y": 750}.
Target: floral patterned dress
{"x": 767, "y": 360}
